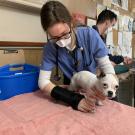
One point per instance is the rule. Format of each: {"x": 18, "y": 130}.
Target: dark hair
{"x": 106, "y": 15}
{"x": 54, "y": 12}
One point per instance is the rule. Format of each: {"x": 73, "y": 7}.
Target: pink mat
{"x": 33, "y": 114}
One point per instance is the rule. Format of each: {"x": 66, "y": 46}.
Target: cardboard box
{"x": 11, "y": 56}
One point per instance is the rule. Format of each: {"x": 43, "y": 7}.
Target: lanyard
{"x": 74, "y": 55}
{"x": 84, "y": 53}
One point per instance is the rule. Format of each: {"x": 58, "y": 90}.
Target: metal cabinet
{"x": 126, "y": 91}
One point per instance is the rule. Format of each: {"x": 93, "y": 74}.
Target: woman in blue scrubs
{"x": 72, "y": 50}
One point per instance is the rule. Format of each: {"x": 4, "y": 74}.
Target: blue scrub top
{"x": 93, "y": 47}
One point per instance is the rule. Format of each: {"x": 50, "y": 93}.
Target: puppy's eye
{"x": 116, "y": 86}
{"x": 105, "y": 85}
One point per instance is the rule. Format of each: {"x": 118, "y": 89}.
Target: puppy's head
{"x": 109, "y": 84}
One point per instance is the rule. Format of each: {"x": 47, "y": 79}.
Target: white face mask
{"x": 64, "y": 42}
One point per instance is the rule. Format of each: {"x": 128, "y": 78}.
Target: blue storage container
{"x": 18, "y": 79}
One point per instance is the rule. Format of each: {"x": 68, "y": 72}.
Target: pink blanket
{"x": 33, "y": 114}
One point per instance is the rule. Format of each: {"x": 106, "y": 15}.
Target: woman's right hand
{"x": 96, "y": 94}
{"x": 86, "y": 105}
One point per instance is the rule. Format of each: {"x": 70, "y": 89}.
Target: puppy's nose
{"x": 110, "y": 93}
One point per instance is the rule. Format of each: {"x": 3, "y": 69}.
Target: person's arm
{"x": 105, "y": 65}
{"x": 57, "y": 92}
{"x": 117, "y": 59}
{"x": 100, "y": 53}
{"x": 76, "y": 100}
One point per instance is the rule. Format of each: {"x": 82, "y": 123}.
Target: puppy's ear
{"x": 102, "y": 74}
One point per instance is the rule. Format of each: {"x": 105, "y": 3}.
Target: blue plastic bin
{"x": 18, "y": 79}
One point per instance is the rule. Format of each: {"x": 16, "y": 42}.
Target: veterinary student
{"x": 105, "y": 20}
{"x": 72, "y": 50}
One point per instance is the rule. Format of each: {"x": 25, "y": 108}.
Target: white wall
{"x": 18, "y": 25}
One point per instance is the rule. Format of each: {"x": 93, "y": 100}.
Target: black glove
{"x": 67, "y": 96}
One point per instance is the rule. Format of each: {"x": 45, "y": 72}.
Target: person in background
{"x": 72, "y": 50}
{"x": 105, "y": 20}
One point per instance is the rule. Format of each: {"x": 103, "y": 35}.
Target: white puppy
{"x": 86, "y": 80}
